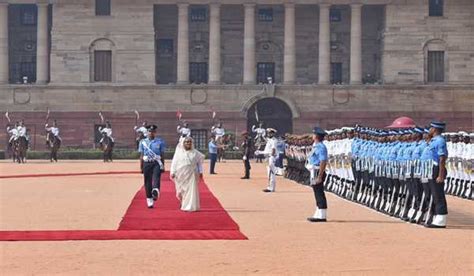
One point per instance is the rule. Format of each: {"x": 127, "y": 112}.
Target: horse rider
{"x": 218, "y": 131}
{"x": 21, "y": 129}
{"x": 13, "y": 133}
{"x": 184, "y": 130}
{"x": 142, "y": 130}
{"x": 53, "y": 129}
{"x": 107, "y": 130}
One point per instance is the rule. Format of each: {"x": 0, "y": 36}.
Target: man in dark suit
{"x": 247, "y": 149}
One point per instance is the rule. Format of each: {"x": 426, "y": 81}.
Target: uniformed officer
{"x": 107, "y": 130}
{"x": 247, "y": 147}
{"x": 184, "y": 130}
{"x": 151, "y": 164}
{"x": 438, "y": 154}
{"x": 53, "y": 129}
{"x": 270, "y": 152}
{"x": 218, "y": 131}
{"x": 13, "y": 132}
{"x": 23, "y": 133}
{"x": 316, "y": 164}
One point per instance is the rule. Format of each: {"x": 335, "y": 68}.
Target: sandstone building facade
{"x": 329, "y": 63}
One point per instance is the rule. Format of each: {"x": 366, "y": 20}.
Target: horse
{"x": 19, "y": 148}
{"x": 107, "y": 146}
{"x": 223, "y": 143}
{"x": 54, "y": 144}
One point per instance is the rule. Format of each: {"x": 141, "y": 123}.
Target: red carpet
{"x": 164, "y": 222}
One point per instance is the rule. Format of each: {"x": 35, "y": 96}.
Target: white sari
{"x": 187, "y": 166}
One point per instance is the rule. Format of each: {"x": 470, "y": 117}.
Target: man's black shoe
{"x": 316, "y": 220}
{"x": 267, "y": 191}
{"x": 434, "y": 226}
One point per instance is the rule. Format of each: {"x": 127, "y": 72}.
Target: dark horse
{"x": 54, "y": 144}
{"x": 19, "y": 148}
{"x": 107, "y": 147}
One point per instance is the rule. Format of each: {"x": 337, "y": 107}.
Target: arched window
{"x": 435, "y": 61}
{"x": 102, "y": 60}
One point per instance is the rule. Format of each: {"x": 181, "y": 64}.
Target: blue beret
{"x": 418, "y": 130}
{"x": 319, "y": 131}
{"x": 438, "y": 124}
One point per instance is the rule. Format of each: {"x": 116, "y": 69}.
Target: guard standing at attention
{"x": 316, "y": 164}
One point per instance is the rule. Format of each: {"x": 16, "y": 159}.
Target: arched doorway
{"x": 273, "y": 113}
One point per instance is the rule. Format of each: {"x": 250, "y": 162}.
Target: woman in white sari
{"x": 186, "y": 171}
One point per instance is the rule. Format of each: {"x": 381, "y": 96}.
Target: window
{"x": 198, "y": 14}
{"x": 28, "y": 15}
{"x": 103, "y": 66}
{"x": 200, "y": 138}
{"x": 435, "y": 66}
{"x": 165, "y": 47}
{"x": 336, "y": 72}
{"x": 97, "y": 133}
{"x": 102, "y": 7}
{"x": 436, "y": 7}
{"x": 335, "y": 15}
{"x": 28, "y": 70}
{"x": 265, "y": 70}
{"x": 198, "y": 72}
{"x": 265, "y": 15}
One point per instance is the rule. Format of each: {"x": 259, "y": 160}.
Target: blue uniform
{"x": 437, "y": 148}
{"x": 318, "y": 154}
{"x": 151, "y": 148}
{"x": 212, "y": 147}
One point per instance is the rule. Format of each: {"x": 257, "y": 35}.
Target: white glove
{"x": 244, "y": 158}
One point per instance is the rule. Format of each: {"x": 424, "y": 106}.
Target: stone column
{"x": 289, "y": 58}
{"x": 183, "y": 45}
{"x": 42, "y": 53}
{"x": 250, "y": 76}
{"x": 4, "y": 70}
{"x": 324, "y": 45}
{"x": 215, "y": 44}
{"x": 356, "y": 44}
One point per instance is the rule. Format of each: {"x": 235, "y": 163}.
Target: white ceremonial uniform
{"x": 141, "y": 129}
{"x": 14, "y": 134}
{"x": 261, "y": 132}
{"x": 271, "y": 146}
{"x": 21, "y": 131}
{"x": 184, "y": 131}
{"x": 54, "y": 131}
{"x": 218, "y": 131}
{"x": 107, "y": 131}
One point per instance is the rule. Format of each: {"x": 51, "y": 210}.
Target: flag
{"x": 179, "y": 115}
{"x": 256, "y": 113}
